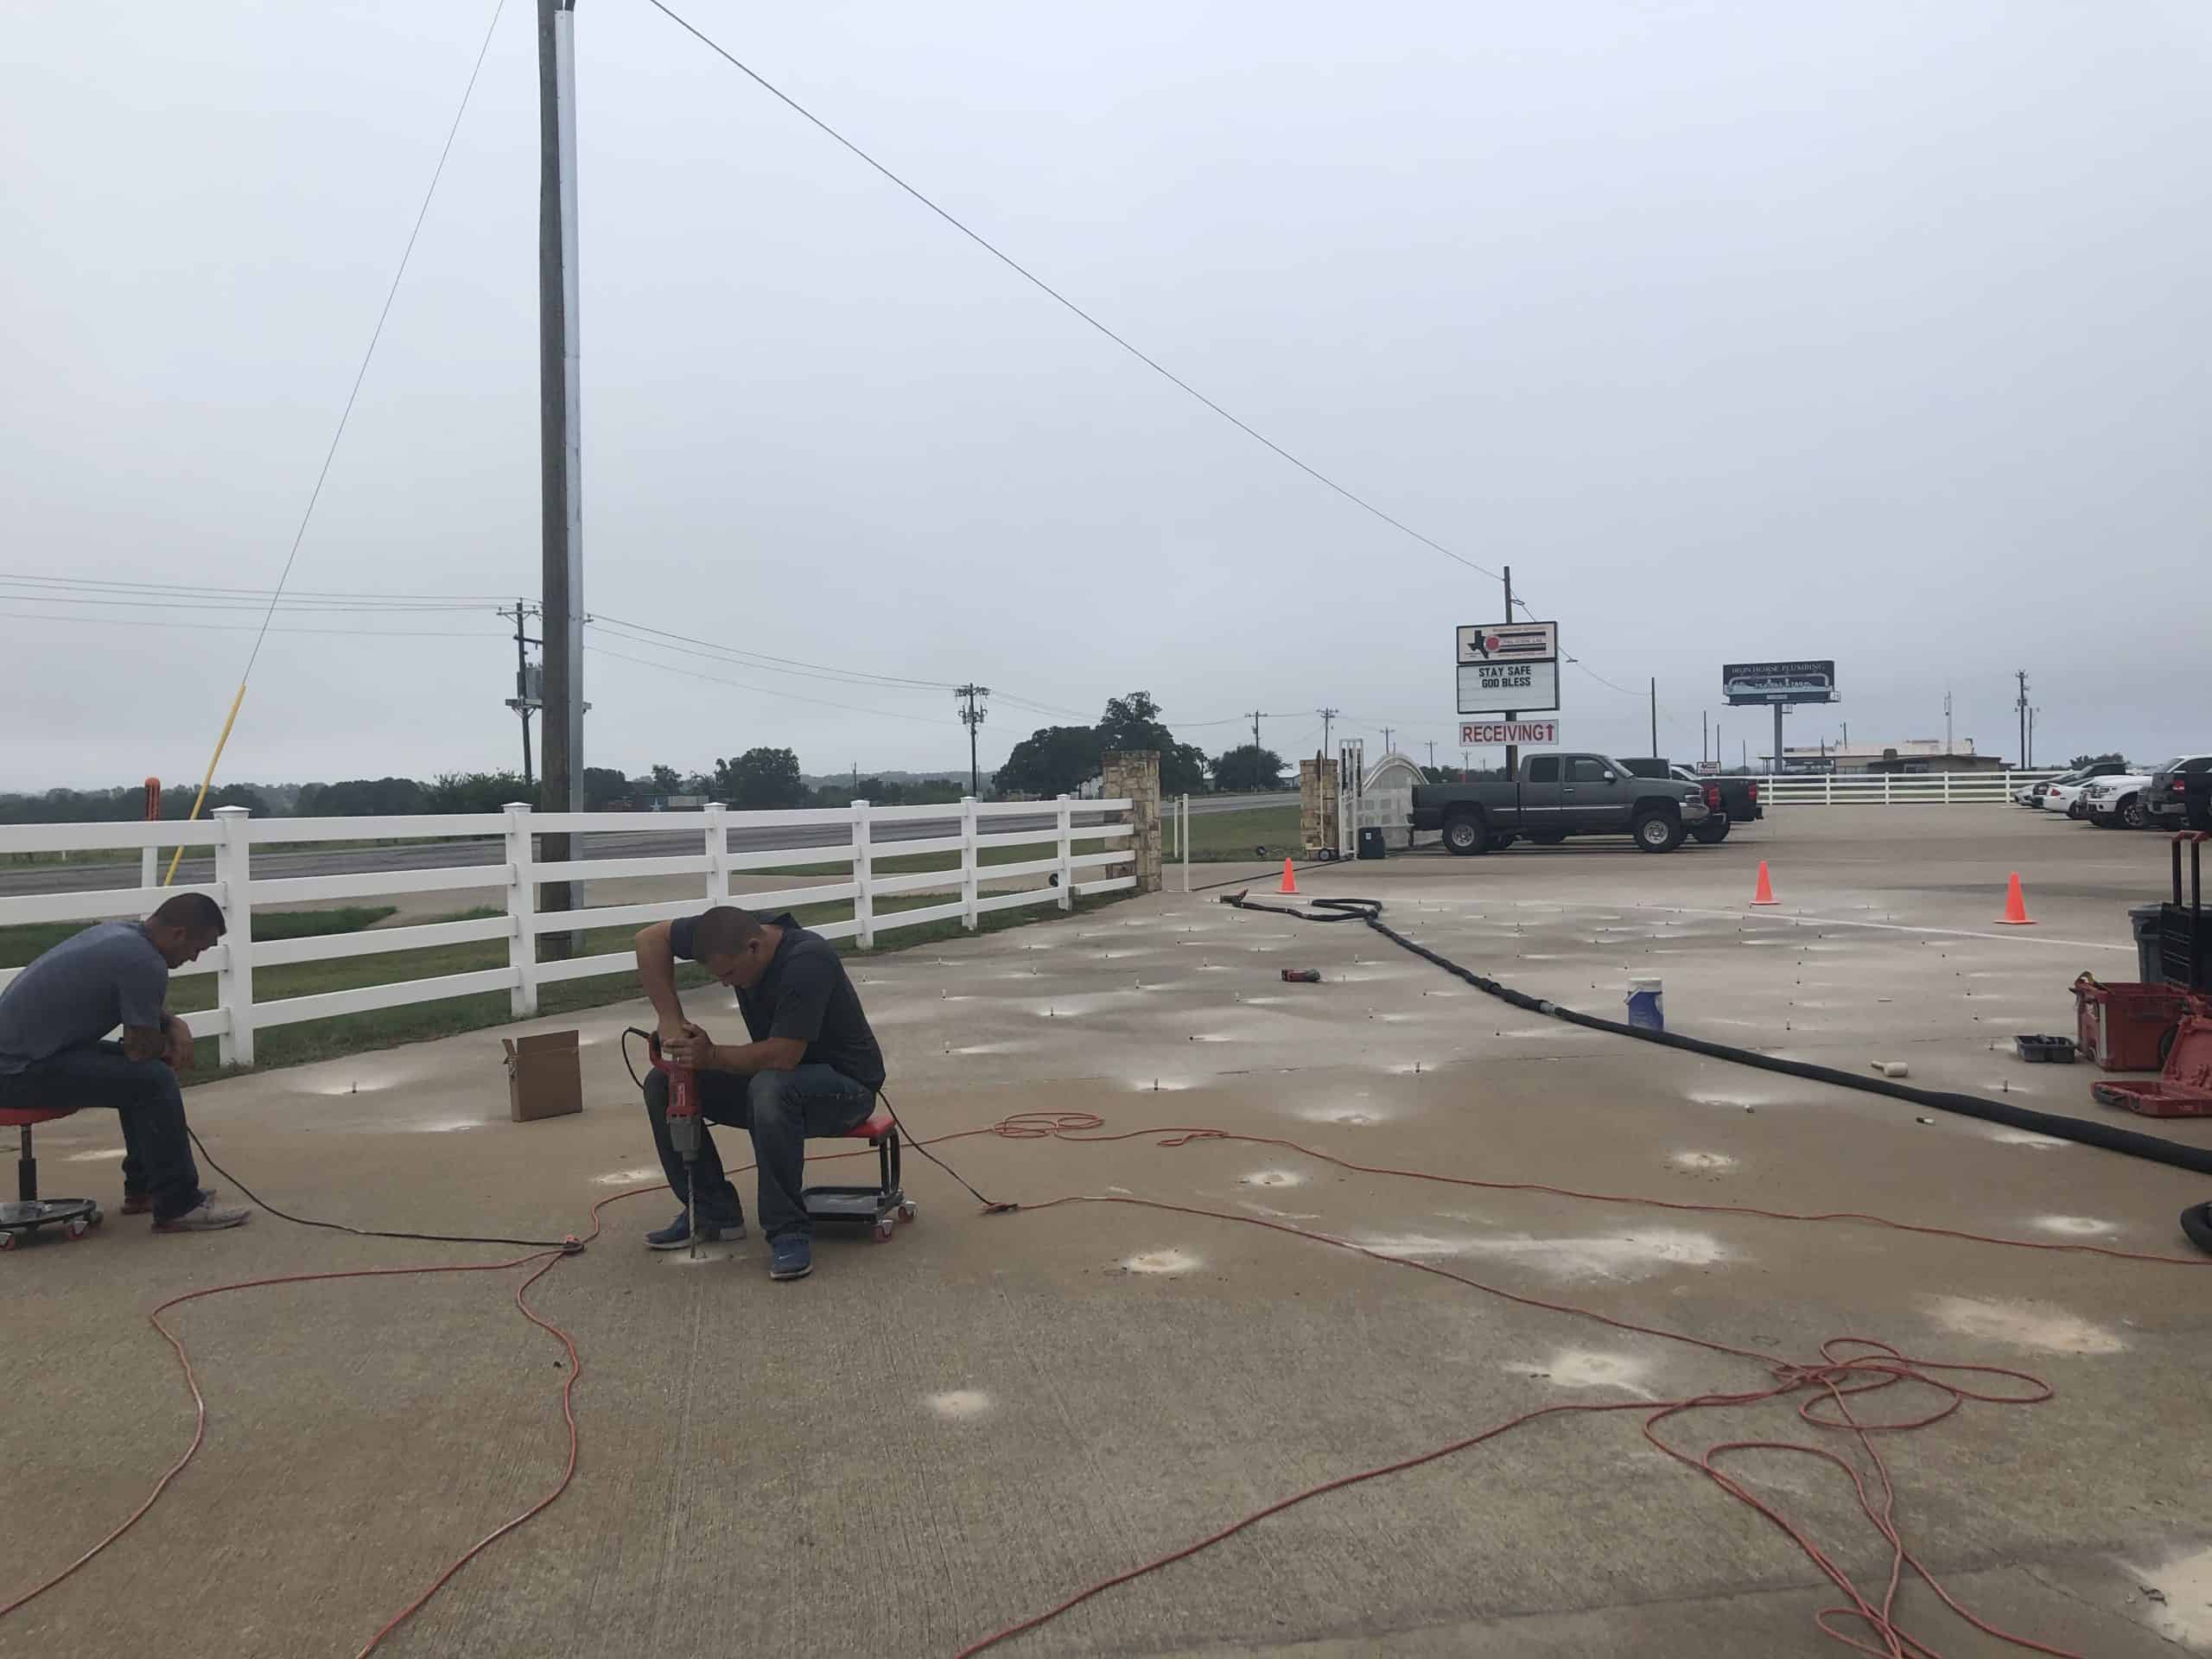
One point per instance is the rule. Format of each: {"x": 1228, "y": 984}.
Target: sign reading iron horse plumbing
{"x": 1508, "y": 668}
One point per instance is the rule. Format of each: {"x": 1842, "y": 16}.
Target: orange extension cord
{"x": 1848, "y": 1367}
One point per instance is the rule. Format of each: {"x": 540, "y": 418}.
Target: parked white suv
{"x": 2117, "y": 802}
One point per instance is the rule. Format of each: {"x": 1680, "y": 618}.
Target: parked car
{"x": 2039, "y": 793}
{"x": 2117, "y": 802}
{"x": 2179, "y": 793}
{"x": 1727, "y": 800}
{"x": 2061, "y": 796}
{"x": 1557, "y": 796}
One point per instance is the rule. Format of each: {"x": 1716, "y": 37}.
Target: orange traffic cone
{"x": 1763, "y": 893}
{"x": 2016, "y": 907}
{"x": 1290, "y": 881}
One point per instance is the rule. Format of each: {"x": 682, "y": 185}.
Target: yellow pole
{"x": 200, "y": 799}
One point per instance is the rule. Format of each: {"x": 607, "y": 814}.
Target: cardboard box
{"x": 546, "y": 1075}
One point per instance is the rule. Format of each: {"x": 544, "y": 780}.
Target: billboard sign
{"x": 1508, "y": 687}
{"x": 1508, "y": 642}
{"x": 1791, "y": 682}
{"x": 1487, "y": 734}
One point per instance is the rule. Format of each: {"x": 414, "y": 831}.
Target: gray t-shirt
{"x": 108, "y": 975}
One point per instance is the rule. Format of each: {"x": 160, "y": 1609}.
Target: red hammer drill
{"x": 683, "y": 1115}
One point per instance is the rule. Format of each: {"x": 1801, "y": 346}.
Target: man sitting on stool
{"x": 813, "y": 1068}
{"x": 52, "y": 1017}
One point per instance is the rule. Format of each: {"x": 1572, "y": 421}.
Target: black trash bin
{"x": 1370, "y": 842}
{"x": 2143, "y": 919}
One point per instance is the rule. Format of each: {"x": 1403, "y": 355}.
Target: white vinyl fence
{"x": 1898, "y": 789}
{"x": 1054, "y": 877}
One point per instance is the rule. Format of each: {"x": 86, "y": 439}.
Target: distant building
{"x": 1913, "y": 755}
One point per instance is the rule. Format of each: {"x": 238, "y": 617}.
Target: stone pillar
{"x": 1317, "y": 806}
{"x": 1135, "y": 773}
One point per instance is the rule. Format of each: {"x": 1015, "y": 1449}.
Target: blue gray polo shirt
{"x": 72, "y": 995}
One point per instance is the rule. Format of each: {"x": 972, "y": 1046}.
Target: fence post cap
{"x": 233, "y": 812}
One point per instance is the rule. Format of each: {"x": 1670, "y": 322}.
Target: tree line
{"x": 1052, "y": 760}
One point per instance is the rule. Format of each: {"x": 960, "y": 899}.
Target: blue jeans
{"x": 157, "y": 1153}
{"x": 781, "y": 1109}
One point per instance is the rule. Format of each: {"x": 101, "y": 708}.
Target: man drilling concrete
{"x": 813, "y": 1068}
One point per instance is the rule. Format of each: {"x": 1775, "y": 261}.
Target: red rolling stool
{"x": 30, "y": 1212}
{"x": 879, "y": 1206}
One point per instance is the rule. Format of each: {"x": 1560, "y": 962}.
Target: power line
{"x": 765, "y": 658}
{"x": 765, "y": 690}
{"x": 1045, "y": 287}
{"x": 248, "y": 627}
{"x": 253, "y": 595}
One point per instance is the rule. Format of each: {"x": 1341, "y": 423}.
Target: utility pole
{"x": 522, "y": 702}
{"x": 1387, "y": 745}
{"x": 1431, "y": 754}
{"x": 560, "y": 435}
{"x": 2020, "y": 703}
{"x": 2030, "y": 758}
{"x": 971, "y": 717}
{"x": 1946, "y": 722}
{"x": 1328, "y": 719}
{"x": 1256, "y": 713}
{"x": 1703, "y": 736}
{"x": 1655, "y": 716}
{"x": 1846, "y": 734}
{"x": 1512, "y": 750}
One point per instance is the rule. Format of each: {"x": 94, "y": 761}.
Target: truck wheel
{"x": 1465, "y": 835}
{"x": 1658, "y": 832}
{"x": 2132, "y": 812}
{"x": 1713, "y": 831}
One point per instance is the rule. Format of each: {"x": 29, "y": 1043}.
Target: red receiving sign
{"x": 1480, "y": 733}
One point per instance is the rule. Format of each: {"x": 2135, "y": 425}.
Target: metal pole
{"x": 560, "y": 452}
{"x": 522, "y": 688}
{"x": 1512, "y": 750}
{"x": 1774, "y": 767}
{"x": 1655, "y": 714}
{"x": 1704, "y": 735}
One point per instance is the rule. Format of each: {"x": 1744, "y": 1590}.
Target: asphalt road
{"x": 199, "y": 865}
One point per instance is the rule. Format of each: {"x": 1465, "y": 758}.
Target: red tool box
{"x": 2123, "y": 1026}
{"x": 2183, "y": 1090}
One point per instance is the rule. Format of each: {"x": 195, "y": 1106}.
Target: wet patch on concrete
{"x": 1621, "y": 1258}
{"x": 1581, "y": 1367}
{"x": 1702, "y": 1160}
{"x": 959, "y": 1405}
{"x": 1161, "y": 1261}
{"x": 2182, "y": 1597}
{"x": 2023, "y": 1325}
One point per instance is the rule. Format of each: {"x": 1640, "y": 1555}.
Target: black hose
{"x": 2132, "y": 1143}
{"x": 570, "y": 1245}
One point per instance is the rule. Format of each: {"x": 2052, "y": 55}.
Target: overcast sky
{"x": 1876, "y": 331}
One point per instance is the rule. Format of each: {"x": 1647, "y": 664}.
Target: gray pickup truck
{"x": 1557, "y": 796}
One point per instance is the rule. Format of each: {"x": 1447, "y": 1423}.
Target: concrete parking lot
{"x": 934, "y": 1438}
